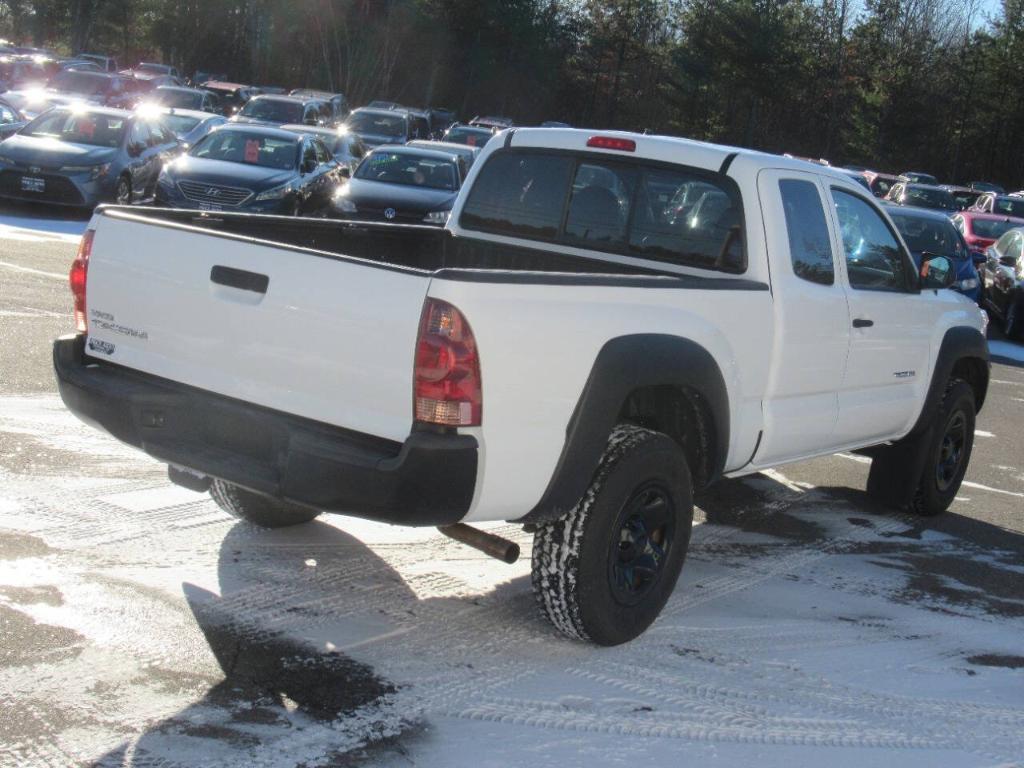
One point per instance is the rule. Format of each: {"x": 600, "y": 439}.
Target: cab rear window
{"x": 671, "y": 214}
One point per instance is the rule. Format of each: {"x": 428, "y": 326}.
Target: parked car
{"x": 965, "y": 197}
{"x": 464, "y": 151}
{"x": 401, "y": 184}
{"x": 53, "y": 66}
{"x": 981, "y": 230}
{"x": 1004, "y": 205}
{"x": 380, "y": 126}
{"x": 880, "y": 183}
{"x": 11, "y": 120}
{"x": 180, "y": 97}
{"x": 97, "y": 88}
{"x": 83, "y": 156}
{"x": 932, "y": 232}
{"x": 200, "y": 77}
{"x": 18, "y": 73}
{"x": 922, "y": 196}
{"x": 916, "y": 177}
{"x": 468, "y": 134}
{"x": 494, "y": 123}
{"x": 1002, "y": 279}
{"x": 252, "y": 168}
{"x": 397, "y": 378}
{"x": 441, "y": 120}
{"x": 151, "y": 69}
{"x": 346, "y": 148}
{"x": 233, "y": 96}
{"x": 986, "y": 186}
{"x": 105, "y": 63}
{"x": 279, "y": 110}
{"x": 339, "y": 103}
{"x": 190, "y": 125}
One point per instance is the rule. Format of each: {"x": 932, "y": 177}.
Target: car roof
{"x": 922, "y": 185}
{"x": 379, "y": 111}
{"x": 915, "y": 212}
{"x": 444, "y": 146}
{"x": 222, "y": 84}
{"x": 96, "y": 109}
{"x": 313, "y": 92}
{"x": 284, "y": 97}
{"x": 405, "y": 149}
{"x": 469, "y": 127}
{"x": 986, "y": 216}
{"x": 187, "y": 113}
{"x": 314, "y": 130}
{"x": 262, "y": 130}
{"x": 179, "y": 88}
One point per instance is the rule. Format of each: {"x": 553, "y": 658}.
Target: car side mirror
{"x": 1008, "y": 261}
{"x": 978, "y": 257}
{"x": 135, "y": 149}
{"x": 936, "y": 271}
{"x": 346, "y": 172}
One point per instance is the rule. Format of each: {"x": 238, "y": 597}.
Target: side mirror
{"x": 134, "y": 149}
{"x": 346, "y": 172}
{"x": 1008, "y": 261}
{"x": 978, "y": 257}
{"x": 936, "y": 271}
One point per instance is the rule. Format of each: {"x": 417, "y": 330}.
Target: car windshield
{"x": 249, "y": 149}
{"x": 932, "y": 235}
{"x": 82, "y": 83}
{"x": 273, "y": 110}
{"x": 181, "y": 124}
{"x": 1009, "y": 206}
{"x": 89, "y": 128}
{"x": 931, "y": 198}
{"x": 474, "y": 137}
{"x": 180, "y": 99}
{"x": 382, "y": 125}
{"x": 407, "y": 168}
{"x": 991, "y": 228}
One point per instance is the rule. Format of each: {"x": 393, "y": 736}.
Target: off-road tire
{"x": 573, "y": 570}
{"x": 905, "y": 475}
{"x": 257, "y": 508}
{"x": 933, "y": 495}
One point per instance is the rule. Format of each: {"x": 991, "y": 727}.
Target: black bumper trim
{"x": 428, "y": 480}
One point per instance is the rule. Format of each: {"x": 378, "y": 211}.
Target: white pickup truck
{"x": 608, "y": 322}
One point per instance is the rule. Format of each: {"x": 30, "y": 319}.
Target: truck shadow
{"x": 328, "y": 652}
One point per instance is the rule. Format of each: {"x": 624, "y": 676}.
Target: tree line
{"x": 929, "y": 85}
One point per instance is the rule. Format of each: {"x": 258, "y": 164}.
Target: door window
{"x": 309, "y": 157}
{"x": 139, "y": 136}
{"x": 322, "y": 155}
{"x": 810, "y": 249}
{"x": 874, "y": 258}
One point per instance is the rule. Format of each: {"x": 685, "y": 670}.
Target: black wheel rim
{"x": 951, "y": 451}
{"x": 642, "y": 540}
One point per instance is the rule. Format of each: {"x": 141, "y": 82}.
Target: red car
{"x": 981, "y": 230}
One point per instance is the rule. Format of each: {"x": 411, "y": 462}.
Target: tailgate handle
{"x": 239, "y": 278}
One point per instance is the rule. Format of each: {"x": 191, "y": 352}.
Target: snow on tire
{"x": 603, "y": 572}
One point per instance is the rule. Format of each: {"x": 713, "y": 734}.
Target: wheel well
{"x": 681, "y": 413}
{"x": 974, "y": 371}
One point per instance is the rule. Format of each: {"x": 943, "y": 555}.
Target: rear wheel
{"x": 604, "y": 571}
{"x": 257, "y": 508}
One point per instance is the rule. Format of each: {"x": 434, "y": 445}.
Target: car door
{"x": 812, "y": 322}
{"x": 891, "y": 324}
{"x": 1000, "y": 269}
{"x": 324, "y": 175}
{"x": 140, "y": 157}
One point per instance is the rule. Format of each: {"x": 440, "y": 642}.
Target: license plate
{"x": 33, "y": 184}
{"x": 210, "y": 207}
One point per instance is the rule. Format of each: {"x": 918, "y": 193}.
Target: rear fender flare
{"x": 623, "y": 365}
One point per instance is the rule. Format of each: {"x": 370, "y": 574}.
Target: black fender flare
{"x": 958, "y": 343}
{"x": 623, "y": 365}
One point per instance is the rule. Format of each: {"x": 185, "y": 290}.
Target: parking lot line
{"x": 29, "y": 270}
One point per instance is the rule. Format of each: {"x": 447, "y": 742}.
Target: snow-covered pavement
{"x": 809, "y": 629}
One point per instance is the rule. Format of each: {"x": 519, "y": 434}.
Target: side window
{"x": 356, "y": 148}
{"x": 809, "y": 246}
{"x": 519, "y": 194}
{"x": 309, "y": 156}
{"x": 874, "y": 259}
{"x": 322, "y": 155}
{"x": 326, "y": 112}
{"x": 599, "y": 205}
{"x": 139, "y": 135}
{"x": 958, "y": 222}
{"x": 1014, "y": 247}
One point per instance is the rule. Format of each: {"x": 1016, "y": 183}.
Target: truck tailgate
{"x": 311, "y": 334}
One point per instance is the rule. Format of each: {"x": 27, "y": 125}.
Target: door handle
{"x": 862, "y": 322}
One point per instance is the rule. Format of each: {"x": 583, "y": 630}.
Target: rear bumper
{"x": 427, "y": 480}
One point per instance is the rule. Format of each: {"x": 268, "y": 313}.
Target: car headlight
{"x": 967, "y": 285}
{"x": 344, "y": 205}
{"x": 94, "y": 171}
{"x": 276, "y": 193}
{"x": 436, "y": 217}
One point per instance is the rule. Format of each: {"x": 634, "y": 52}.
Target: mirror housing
{"x": 936, "y": 271}
{"x": 346, "y": 172}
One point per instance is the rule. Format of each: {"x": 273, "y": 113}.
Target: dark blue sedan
{"x": 926, "y": 231}
{"x": 254, "y": 169}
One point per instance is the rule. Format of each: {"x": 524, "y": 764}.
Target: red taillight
{"x": 609, "y": 142}
{"x": 77, "y": 278}
{"x": 446, "y": 386}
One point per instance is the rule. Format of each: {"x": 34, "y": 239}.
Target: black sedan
{"x": 1002, "y": 279}
{"x": 281, "y": 110}
{"x": 82, "y": 156}
{"x": 256, "y": 169}
{"x": 380, "y": 126}
{"x": 11, "y": 120}
{"x": 402, "y": 184}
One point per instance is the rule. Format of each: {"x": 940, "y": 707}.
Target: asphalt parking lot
{"x": 142, "y": 626}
